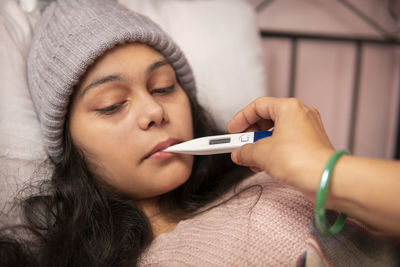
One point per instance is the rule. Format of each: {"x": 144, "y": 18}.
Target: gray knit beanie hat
{"x": 69, "y": 37}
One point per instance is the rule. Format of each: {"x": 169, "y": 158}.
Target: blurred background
{"x": 342, "y": 57}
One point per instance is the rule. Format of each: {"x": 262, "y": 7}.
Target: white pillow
{"x": 20, "y": 142}
{"x": 219, "y": 38}
{"x": 19, "y": 128}
{"x": 221, "y": 41}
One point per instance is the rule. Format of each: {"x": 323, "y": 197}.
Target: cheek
{"x": 183, "y": 116}
{"x": 98, "y": 140}
{"x": 85, "y": 134}
{"x": 77, "y": 128}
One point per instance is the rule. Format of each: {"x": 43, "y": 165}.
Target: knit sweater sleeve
{"x": 264, "y": 224}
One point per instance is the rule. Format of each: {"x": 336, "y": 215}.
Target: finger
{"x": 259, "y": 109}
{"x": 239, "y": 122}
{"x": 263, "y": 125}
{"x": 249, "y": 155}
{"x": 252, "y": 128}
{"x": 254, "y": 169}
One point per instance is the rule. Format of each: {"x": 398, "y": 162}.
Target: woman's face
{"x": 127, "y": 108}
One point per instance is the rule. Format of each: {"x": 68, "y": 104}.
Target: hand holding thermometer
{"x": 217, "y": 144}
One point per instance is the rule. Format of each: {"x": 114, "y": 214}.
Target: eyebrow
{"x": 118, "y": 77}
{"x": 156, "y": 65}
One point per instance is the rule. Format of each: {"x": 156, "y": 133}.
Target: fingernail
{"x": 255, "y": 169}
{"x": 235, "y": 157}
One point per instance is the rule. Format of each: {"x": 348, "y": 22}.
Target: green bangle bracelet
{"x": 320, "y": 201}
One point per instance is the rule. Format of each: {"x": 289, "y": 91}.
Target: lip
{"x": 161, "y": 146}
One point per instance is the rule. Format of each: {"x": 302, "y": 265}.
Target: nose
{"x": 151, "y": 113}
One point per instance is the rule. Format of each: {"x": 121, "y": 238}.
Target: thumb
{"x": 247, "y": 155}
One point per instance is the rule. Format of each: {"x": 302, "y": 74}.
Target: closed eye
{"x": 163, "y": 90}
{"x": 110, "y": 109}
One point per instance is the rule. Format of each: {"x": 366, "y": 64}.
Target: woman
{"x": 112, "y": 90}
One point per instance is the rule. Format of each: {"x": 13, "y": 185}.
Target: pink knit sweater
{"x": 267, "y": 227}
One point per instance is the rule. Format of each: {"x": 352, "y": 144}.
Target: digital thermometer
{"x": 217, "y": 144}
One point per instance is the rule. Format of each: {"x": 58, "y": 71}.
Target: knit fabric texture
{"x": 69, "y": 37}
{"x": 266, "y": 224}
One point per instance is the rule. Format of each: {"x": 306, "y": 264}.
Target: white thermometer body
{"x": 217, "y": 144}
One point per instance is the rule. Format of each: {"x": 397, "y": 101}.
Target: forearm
{"x": 369, "y": 190}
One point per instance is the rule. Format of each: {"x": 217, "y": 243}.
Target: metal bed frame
{"x": 359, "y": 42}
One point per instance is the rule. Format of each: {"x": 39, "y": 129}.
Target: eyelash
{"x": 113, "y": 108}
{"x": 164, "y": 90}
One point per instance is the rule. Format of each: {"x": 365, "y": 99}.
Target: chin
{"x": 176, "y": 182}
{"x": 176, "y": 175}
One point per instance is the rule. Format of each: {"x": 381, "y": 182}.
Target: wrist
{"x": 342, "y": 195}
{"x": 309, "y": 173}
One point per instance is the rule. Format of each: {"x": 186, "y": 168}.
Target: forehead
{"x": 135, "y": 54}
{"x": 134, "y": 57}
